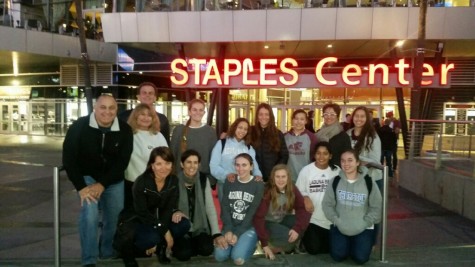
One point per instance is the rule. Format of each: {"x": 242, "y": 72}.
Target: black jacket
{"x": 338, "y": 144}
{"x": 87, "y": 151}
{"x": 388, "y": 138}
{"x": 266, "y": 158}
{"x": 155, "y": 207}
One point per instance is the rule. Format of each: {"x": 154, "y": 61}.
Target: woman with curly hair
{"x": 268, "y": 141}
{"x": 276, "y": 224}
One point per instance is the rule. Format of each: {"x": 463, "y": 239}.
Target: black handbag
{"x": 125, "y": 233}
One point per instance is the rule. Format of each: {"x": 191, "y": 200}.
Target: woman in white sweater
{"x": 146, "y": 127}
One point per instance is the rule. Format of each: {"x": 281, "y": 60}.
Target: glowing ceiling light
{"x": 15, "y": 63}
{"x": 266, "y": 47}
{"x": 329, "y": 46}
{"x": 400, "y": 43}
{"x": 15, "y": 82}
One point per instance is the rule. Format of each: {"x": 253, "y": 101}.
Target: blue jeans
{"x": 109, "y": 206}
{"x": 358, "y": 247}
{"x": 244, "y": 248}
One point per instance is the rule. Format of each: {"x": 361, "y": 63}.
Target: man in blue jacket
{"x": 96, "y": 152}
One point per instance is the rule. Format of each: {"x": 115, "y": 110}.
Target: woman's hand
{"x": 150, "y": 251}
{"x": 177, "y": 216}
{"x": 293, "y": 235}
{"x": 269, "y": 254}
{"x": 169, "y": 239}
{"x": 220, "y": 242}
{"x": 308, "y": 204}
{"x": 231, "y": 177}
{"x": 230, "y": 238}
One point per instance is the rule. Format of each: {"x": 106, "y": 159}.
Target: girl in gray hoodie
{"x": 353, "y": 204}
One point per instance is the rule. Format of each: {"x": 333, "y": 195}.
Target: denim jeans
{"x": 109, "y": 206}
{"x": 243, "y": 249}
{"x": 358, "y": 247}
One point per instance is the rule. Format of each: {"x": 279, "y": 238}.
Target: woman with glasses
{"x": 332, "y": 132}
{"x": 300, "y": 143}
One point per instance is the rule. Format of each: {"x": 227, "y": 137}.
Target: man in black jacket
{"x": 388, "y": 145}
{"x": 96, "y": 152}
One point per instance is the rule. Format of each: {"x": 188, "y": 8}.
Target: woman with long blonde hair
{"x": 277, "y": 226}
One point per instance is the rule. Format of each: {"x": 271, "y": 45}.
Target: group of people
{"x": 153, "y": 195}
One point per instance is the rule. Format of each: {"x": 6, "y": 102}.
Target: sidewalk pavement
{"x": 420, "y": 233}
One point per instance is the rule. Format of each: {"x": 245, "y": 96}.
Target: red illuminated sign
{"x": 274, "y": 73}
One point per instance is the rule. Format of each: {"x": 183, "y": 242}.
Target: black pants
{"x": 316, "y": 239}
{"x": 186, "y": 247}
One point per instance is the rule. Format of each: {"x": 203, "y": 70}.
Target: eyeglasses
{"x": 326, "y": 115}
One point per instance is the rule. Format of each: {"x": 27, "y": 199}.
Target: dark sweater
{"x": 266, "y": 158}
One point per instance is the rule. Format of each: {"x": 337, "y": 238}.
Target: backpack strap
{"x": 369, "y": 184}
{"x": 203, "y": 179}
{"x": 223, "y": 143}
{"x": 367, "y": 179}
{"x": 335, "y": 184}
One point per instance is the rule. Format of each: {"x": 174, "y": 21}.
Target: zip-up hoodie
{"x": 352, "y": 211}
{"x": 222, "y": 160}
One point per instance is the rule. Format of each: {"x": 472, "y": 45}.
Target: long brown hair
{"x": 272, "y": 192}
{"x": 272, "y": 133}
{"x": 368, "y": 133}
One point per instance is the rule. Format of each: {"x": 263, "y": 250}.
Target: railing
{"x": 443, "y": 140}
{"x": 384, "y": 216}
{"x": 57, "y": 229}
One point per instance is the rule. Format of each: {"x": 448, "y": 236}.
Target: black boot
{"x": 162, "y": 255}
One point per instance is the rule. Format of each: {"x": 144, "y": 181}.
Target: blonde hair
{"x": 138, "y": 110}
{"x": 272, "y": 192}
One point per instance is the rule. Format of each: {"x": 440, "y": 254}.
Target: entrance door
{"x": 11, "y": 120}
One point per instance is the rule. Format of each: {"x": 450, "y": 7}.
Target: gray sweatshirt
{"x": 239, "y": 204}
{"x": 352, "y": 211}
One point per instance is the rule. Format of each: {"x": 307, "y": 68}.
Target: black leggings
{"x": 316, "y": 239}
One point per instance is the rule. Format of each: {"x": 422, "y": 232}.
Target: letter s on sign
{"x": 178, "y": 71}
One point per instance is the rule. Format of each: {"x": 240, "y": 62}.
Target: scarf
{"x": 328, "y": 131}
{"x": 199, "y": 224}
